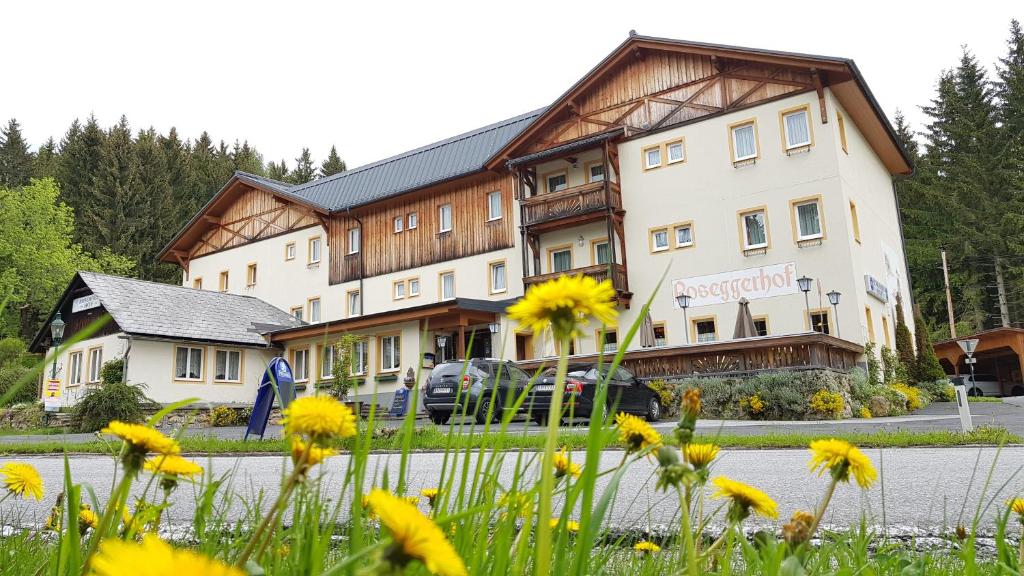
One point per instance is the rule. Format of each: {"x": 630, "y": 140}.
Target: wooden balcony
{"x": 599, "y": 272}
{"x": 581, "y": 203}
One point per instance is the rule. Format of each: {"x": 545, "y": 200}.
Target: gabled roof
{"x": 143, "y": 308}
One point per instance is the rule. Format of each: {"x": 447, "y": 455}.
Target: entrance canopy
{"x": 1000, "y": 352}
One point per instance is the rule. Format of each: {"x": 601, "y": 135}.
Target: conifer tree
{"x": 15, "y": 157}
{"x": 78, "y": 165}
{"x": 332, "y": 165}
{"x": 904, "y": 341}
{"x": 247, "y": 159}
{"x": 278, "y": 172}
{"x": 304, "y": 169}
{"x": 926, "y": 366}
{"x": 154, "y": 188}
{"x": 45, "y": 162}
{"x": 118, "y": 214}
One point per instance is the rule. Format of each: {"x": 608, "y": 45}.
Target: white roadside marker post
{"x": 968, "y": 346}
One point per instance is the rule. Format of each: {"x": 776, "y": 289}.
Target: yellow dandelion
{"x": 430, "y": 494}
{"x": 1017, "y": 507}
{"x": 320, "y": 418}
{"x": 798, "y": 529}
{"x": 368, "y": 506}
{"x": 563, "y": 303}
{"x": 564, "y": 466}
{"x": 416, "y": 536}
{"x": 414, "y": 500}
{"x": 87, "y": 518}
{"x": 173, "y": 466}
{"x": 22, "y": 480}
{"x": 314, "y": 454}
{"x": 745, "y": 498}
{"x": 700, "y": 455}
{"x": 142, "y": 438}
{"x": 635, "y": 433}
{"x": 691, "y": 402}
{"x": 645, "y": 547}
{"x": 158, "y": 558}
{"x": 571, "y": 526}
{"x": 841, "y": 458}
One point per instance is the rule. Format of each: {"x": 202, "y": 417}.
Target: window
{"x": 855, "y": 222}
{"x": 808, "y": 220}
{"x": 556, "y": 182}
{"x": 524, "y": 346}
{"x": 497, "y": 277}
{"x": 608, "y": 340}
{"x": 675, "y": 152}
{"x": 601, "y": 251}
{"x": 659, "y": 239}
{"x": 300, "y": 365}
{"x": 796, "y": 128}
{"x": 314, "y": 250}
{"x": 74, "y": 369}
{"x": 595, "y": 172}
{"x": 413, "y": 219}
{"x": 398, "y": 223}
{"x": 704, "y": 330}
{"x": 870, "y": 324}
{"x": 297, "y": 312}
{"x": 360, "y": 356}
{"x": 885, "y": 331}
{"x": 223, "y": 281}
{"x": 414, "y": 287}
{"x": 197, "y": 283}
{"x": 744, "y": 141}
{"x": 327, "y": 362}
{"x": 398, "y": 290}
{"x": 188, "y": 363}
{"x": 652, "y": 157}
{"x": 755, "y": 229}
{"x": 354, "y": 303}
{"x": 445, "y": 217}
{"x": 313, "y": 304}
{"x": 820, "y": 321}
{"x": 353, "y": 240}
{"x": 494, "y": 206}
{"x": 95, "y": 364}
{"x": 289, "y": 251}
{"x": 250, "y": 275}
{"x": 447, "y": 281}
{"x": 684, "y": 235}
{"x": 390, "y": 352}
{"x": 561, "y": 259}
{"x": 227, "y": 366}
{"x": 841, "y": 122}
{"x": 761, "y": 325}
{"x": 660, "y": 334}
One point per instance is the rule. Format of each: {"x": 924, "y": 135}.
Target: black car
{"x": 626, "y": 393}
{"x": 456, "y": 384}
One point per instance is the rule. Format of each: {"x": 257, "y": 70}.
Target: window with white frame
{"x": 355, "y": 303}
{"x": 561, "y": 260}
{"x": 300, "y": 365}
{"x": 398, "y": 290}
{"x": 447, "y": 285}
{"x": 684, "y": 235}
{"x": 327, "y": 362}
{"x": 353, "y": 240}
{"x": 95, "y": 364}
{"x": 755, "y": 230}
{"x": 390, "y": 353}
{"x": 289, "y": 251}
{"x": 445, "y": 217}
{"x": 398, "y": 223}
{"x": 227, "y": 366}
{"x": 659, "y": 239}
{"x": 797, "y": 128}
{"x": 360, "y": 355}
{"x": 224, "y": 281}
{"x": 705, "y": 330}
{"x": 414, "y": 287}
{"x": 314, "y": 250}
{"x": 557, "y": 182}
{"x": 498, "y": 283}
{"x": 494, "y": 205}
{"x": 660, "y": 335}
{"x": 808, "y": 220}
{"x": 250, "y": 275}
{"x": 314, "y": 309}
{"x": 652, "y": 157}
{"x": 74, "y": 369}
{"x": 297, "y": 312}
{"x": 413, "y": 219}
{"x": 744, "y": 142}
{"x": 188, "y": 363}
{"x": 595, "y": 172}
{"x": 610, "y": 340}
{"x": 602, "y": 252}
{"x": 675, "y": 152}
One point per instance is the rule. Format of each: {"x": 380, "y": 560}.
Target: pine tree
{"x": 332, "y": 165}
{"x": 154, "y": 188}
{"x": 278, "y": 172}
{"x": 904, "y": 341}
{"x": 78, "y": 165}
{"x": 926, "y": 366}
{"x": 905, "y": 135}
{"x": 15, "y": 157}
{"x": 118, "y": 214}
{"x": 304, "y": 170}
{"x": 247, "y": 159}
{"x": 45, "y": 163}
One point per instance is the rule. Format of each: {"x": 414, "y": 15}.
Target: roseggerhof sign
{"x": 749, "y": 283}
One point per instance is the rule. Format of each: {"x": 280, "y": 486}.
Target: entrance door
{"x": 478, "y": 344}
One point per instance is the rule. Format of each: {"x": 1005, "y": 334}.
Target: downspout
{"x": 127, "y": 353}
{"x": 362, "y": 272}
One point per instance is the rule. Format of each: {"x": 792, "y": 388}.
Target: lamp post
{"x": 684, "y": 302}
{"x": 833, "y": 297}
{"x": 57, "y": 334}
{"x": 442, "y": 342}
{"x": 805, "y": 286}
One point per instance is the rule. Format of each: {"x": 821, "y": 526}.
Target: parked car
{"x": 626, "y": 393}
{"x": 456, "y": 384}
{"x": 988, "y": 385}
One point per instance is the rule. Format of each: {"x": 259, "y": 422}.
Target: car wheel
{"x": 541, "y": 418}
{"x": 484, "y": 405}
{"x": 1017, "y": 391}
{"x": 439, "y": 418}
{"x": 653, "y": 409}
{"x": 975, "y": 391}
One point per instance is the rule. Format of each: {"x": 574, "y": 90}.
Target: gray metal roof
{"x": 145, "y": 308}
{"x": 277, "y": 185}
{"x": 456, "y": 156}
{"x": 573, "y": 146}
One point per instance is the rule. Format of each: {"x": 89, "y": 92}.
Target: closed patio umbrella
{"x": 744, "y": 321}
{"x": 647, "y": 332}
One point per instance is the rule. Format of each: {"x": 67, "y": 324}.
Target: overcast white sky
{"x": 380, "y": 77}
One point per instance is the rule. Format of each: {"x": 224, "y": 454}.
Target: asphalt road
{"x": 924, "y": 488}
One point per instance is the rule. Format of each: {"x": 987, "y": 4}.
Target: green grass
{"x": 984, "y": 399}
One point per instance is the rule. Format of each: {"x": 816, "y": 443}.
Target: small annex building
{"x": 177, "y": 341}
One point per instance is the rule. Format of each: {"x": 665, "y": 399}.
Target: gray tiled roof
{"x": 152, "y": 309}
{"x": 430, "y": 164}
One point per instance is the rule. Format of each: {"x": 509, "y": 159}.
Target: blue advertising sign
{"x": 400, "y": 403}
{"x": 277, "y": 382}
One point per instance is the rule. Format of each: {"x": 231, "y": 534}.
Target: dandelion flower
{"x": 700, "y": 455}
{"x": 314, "y": 454}
{"x": 798, "y": 529}
{"x": 1017, "y": 507}
{"x": 691, "y": 402}
{"x": 571, "y": 526}
{"x": 319, "y": 417}
{"x": 635, "y": 433}
{"x": 22, "y": 480}
{"x": 142, "y": 438}
{"x": 841, "y": 458}
{"x": 430, "y": 494}
{"x": 87, "y": 518}
{"x": 414, "y": 500}
{"x": 173, "y": 465}
{"x": 745, "y": 498}
{"x": 118, "y": 557}
{"x": 416, "y": 537}
{"x": 563, "y": 302}
{"x": 564, "y": 466}
{"x": 646, "y": 547}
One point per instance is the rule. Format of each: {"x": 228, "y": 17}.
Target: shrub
{"x": 23, "y": 416}
{"x": 939, "y": 390}
{"x": 896, "y": 398}
{"x": 224, "y": 416}
{"x": 874, "y": 367}
{"x": 827, "y": 403}
{"x": 14, "y": 374}
{"x": 879, "y": 406}
{"x": 916, "y": 398}
{"x": 864, "y": 412}
{"x": 111, "y": 400}
{"x": 927, "y": 367}
{"x": 667, "y": 395}
{"x": 781, "y": 395}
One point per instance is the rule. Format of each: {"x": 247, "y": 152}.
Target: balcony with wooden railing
{"x": 599, "y": 272}
{"x": 580, "y": 203}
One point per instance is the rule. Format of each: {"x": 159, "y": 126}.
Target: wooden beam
{"x": 211, "y": 219}
{"x": 821, "y": 94}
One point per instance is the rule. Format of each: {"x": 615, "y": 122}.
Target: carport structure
{"x": 1000, "y": 352}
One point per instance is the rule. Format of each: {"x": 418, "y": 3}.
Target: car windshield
{"x": 985, "y": 378}
{"x": 575, "y": 370}
{"x": 454, "y": 369}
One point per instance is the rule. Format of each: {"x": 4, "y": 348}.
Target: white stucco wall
{"x": 113, "y": 347}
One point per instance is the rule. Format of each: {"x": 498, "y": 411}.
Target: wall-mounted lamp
{"x": 579, "y": 241}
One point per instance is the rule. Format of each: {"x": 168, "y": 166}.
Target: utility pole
{"x": 1004, "y": 308}
{"x": 949, "y": 296}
